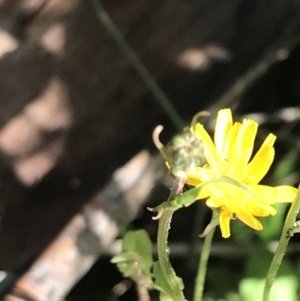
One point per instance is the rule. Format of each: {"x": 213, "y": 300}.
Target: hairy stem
{"x": 162, "y": 243}
{"x": 282, "y": 246}
{"x": 163, "y": 254}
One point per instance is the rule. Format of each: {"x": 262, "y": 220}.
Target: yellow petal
{"x": 213, "y": 202}
{"x": 262, "y": 161}
{"x": 204, "y": 193}
{"x": 246, "y": 138}
{"x": 249, "y": 220}
{"x": 194, "y": 178}
{"x": 241, "y": 144}
{"x": 222, "y": 128}
{"x": 224, "y": 222}
{"x": 231, "y": 147}
{"x": 241, "y": 148}
{"x": 272, "y": 195}
{"x": 260, "y": 209}
{"x": 238, "y": 169}
{"x": 210, "y": 152}
{"x": 199, "y": 175}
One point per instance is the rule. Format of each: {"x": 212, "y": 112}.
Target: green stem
{"x": 162, "y": 243}
{"x": 163, "y": 254}
{"x": 282, "y": 246}
{"x": 202, "y": 268}
{"x": 137, "y": 64}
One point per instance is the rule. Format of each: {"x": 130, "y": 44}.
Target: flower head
{"x": 230, "y": 155}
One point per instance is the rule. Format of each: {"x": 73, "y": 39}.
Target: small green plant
{"x": 221, "y": 173}
{"x": 135, "y": 261}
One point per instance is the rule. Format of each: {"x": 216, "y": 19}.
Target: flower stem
{"x": 282, "y": 246}
{"x": 163, "y": 254}
{"x": 138, "y": 65}
{"x": 162, "y": 244}
{"x": 201, "y": 274}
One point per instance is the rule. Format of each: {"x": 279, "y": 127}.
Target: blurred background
{"x": 77, "y": 163}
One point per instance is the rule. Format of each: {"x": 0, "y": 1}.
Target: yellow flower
{"x": 229, "y": 156}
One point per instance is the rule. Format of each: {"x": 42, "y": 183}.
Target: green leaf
{"x": 135, "y": 260}
{"x": 139, "y": 242}
{"x": 189, "y": 197}
{"x": 165, "y": 297}
{"x": 161, "y": 283}
{"x": 127, "y": 263}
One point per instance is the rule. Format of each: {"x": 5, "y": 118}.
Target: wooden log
{"x": 90, "y": 233}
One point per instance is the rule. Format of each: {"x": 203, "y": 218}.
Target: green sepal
{"x": 185, "y": 199}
